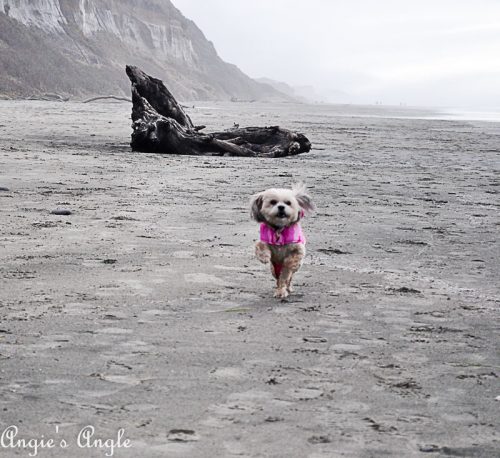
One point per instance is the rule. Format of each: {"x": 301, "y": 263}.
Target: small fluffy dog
{"x": 282, "y": 242}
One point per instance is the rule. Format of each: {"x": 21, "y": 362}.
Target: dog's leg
{"x": 262, "y": 252}
{"x": 290, "y": 266}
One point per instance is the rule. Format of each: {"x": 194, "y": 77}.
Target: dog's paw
{"x": 289, "y": 288}
{"x": 281, "y": 293}
{"x": 264, "y": 258}
{"x": 262, "y": 253}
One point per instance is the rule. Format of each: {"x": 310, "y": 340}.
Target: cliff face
{"x": 80, "y": 47}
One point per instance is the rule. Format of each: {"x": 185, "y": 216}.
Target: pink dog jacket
{"x": 291, "y": 234}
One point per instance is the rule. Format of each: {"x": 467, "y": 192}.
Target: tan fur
{"x": 265, "y": 207}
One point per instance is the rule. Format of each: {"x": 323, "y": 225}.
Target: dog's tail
{"x": 305, "y": 201}
{"x": 299, "y": 188}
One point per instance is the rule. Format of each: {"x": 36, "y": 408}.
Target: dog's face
{"x": 281, "y": 207}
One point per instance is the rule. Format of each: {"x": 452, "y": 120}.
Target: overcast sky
{"x": 425, "y": 52}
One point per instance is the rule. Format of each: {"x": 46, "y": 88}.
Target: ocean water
{"x": 326, "y": 111}
{"x": 467, "y": 114}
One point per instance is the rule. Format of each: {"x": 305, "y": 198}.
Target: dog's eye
{"x": 273, "y": 202}
{"x": 288, "y": 203}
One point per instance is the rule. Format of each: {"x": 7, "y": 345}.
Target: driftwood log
{"x": 160, "y": 125}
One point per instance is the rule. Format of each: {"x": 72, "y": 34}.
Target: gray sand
{"x": 144, "y": 309}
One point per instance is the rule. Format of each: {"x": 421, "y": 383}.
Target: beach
{"x": 145, "y": 310}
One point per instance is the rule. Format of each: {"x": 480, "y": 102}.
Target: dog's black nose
{"x": 281, "y": 208}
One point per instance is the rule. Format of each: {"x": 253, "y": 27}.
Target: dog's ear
{"x": 304, "y": 200}
{"x": 256, "y": 207}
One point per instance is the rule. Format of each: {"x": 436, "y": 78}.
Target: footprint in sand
{"x": 205, "y": 278}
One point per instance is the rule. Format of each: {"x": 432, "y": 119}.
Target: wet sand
{"x": 144, "y": 309}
